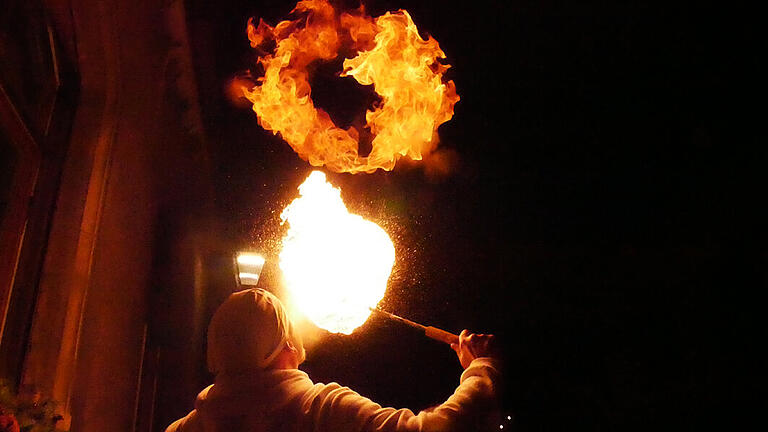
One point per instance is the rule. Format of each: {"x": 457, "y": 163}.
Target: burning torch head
{"x": 248, "y": 331}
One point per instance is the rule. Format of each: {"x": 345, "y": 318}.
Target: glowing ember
{"x": 391, "y": 56}
{"x": 335, "y": 264}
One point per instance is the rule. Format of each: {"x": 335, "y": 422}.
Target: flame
{"x": 402, "y": 67}
{"x": 335, "y": 264}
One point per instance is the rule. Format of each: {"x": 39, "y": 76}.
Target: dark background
{"x": 590, "y": 222}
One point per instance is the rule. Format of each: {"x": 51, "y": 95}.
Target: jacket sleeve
{"x": 334, "y": 408}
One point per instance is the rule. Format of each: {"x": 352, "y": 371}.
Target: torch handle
{"x": 441, "y": 335}
{"x": 429, "y": 331}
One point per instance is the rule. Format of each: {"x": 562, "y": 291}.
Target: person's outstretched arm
{"x": 339, "y": 409}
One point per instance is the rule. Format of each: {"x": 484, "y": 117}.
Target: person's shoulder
{"x": 331, "y": 389}
{"x": 289, "y": 376}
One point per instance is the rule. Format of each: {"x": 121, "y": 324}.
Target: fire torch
{"x": 429, "y": 331}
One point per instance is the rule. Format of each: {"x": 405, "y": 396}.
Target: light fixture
{"x": 249, "y": 265}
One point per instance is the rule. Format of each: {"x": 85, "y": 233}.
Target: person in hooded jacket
{"x": 255, "y": 352}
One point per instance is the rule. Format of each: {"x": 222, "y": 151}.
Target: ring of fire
{"x": 391, "y": 55}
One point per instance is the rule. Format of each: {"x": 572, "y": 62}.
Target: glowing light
{"x": 390, "y": 55}
{"x": 250, "y": 259}
{"x": 335, "y": 264}
{"x": 248, "y": 278}
{"x": 249, "y": 267}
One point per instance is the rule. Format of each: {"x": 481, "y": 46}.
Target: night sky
{"x": 588, "y": 223}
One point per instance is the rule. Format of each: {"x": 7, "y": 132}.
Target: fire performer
{"x": 255, "y": 352}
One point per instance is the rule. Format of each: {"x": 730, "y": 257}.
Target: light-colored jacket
{"x": 287, "y": 400}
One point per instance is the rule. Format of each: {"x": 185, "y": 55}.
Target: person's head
{"x": 251, "y": 330}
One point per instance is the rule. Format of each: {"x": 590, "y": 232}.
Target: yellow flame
{"x": 335, "y": 264}
{"x": 391, "y": 55}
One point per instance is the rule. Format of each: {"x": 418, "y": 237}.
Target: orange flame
{"x": 391, "y": 56}
{"x": 335, "y": 264}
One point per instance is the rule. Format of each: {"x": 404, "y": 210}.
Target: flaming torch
{"x": 429, "y": 331}
{"x": 336, "y": 264}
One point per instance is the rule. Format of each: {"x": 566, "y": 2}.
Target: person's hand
{"x": 472, "y": 346}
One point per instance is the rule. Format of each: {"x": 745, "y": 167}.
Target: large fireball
{"x": 335, "y": 264}
{"x": 391, "y": 55}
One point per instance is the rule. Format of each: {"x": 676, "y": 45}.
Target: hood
{"x": 248, "y": 331}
